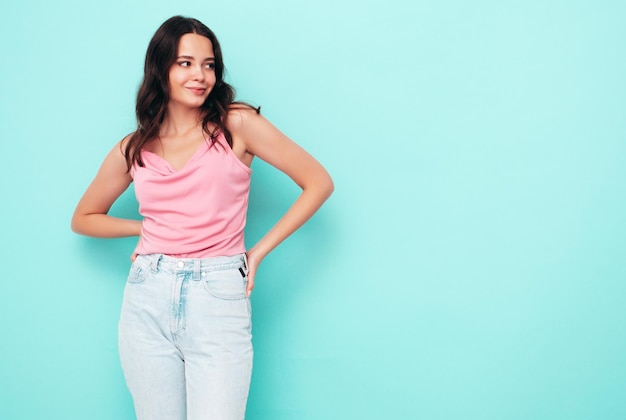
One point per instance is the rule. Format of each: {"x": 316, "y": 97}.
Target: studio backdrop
{"x": 470, "y": 264}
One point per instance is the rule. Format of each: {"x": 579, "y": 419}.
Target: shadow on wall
{"x": 271, "y": 195}
{"x": 111, "y": 256}
{"x": 291, "y": 279}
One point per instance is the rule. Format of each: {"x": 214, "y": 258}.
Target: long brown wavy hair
{"x": 153, "y": 94}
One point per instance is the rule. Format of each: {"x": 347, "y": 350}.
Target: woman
{"x": 185, "y": 332}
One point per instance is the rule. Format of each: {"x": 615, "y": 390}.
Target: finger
{"x": 250, "y": 285}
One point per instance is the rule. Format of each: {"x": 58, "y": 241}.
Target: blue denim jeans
{"x": 185, "y": 337}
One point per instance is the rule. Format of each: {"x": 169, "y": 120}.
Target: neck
{"x": 179, "y": 121}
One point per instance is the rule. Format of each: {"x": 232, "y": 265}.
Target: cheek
{"x": 212, "y": 77}
{"x": 175, "y": 77}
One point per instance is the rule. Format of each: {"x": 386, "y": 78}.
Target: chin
{"x": 199, "y": 102}
{"x": 192, "y": 104}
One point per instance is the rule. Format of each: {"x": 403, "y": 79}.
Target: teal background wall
{"x": 470, "y": 264}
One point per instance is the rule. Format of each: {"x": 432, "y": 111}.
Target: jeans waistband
{"x": 162, "y": 262}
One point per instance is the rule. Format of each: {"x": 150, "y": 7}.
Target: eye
{"x": 184, "y": 63}
{"x": 210, "y": 66}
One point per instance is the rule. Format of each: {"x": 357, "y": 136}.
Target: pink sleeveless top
{"x": 198, "y": 211}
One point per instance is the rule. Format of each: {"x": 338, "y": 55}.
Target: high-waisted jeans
{"x": 185, "y": 337}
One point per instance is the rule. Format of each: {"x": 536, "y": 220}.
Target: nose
{"x": 198, "y": 73}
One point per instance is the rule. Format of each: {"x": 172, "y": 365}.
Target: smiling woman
{"x": 193, "y": 75}
{"x": 185, "y": 328}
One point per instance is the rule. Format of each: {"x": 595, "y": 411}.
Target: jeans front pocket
{"x": 229, "y": 284}
{"x": 138, "y": 273}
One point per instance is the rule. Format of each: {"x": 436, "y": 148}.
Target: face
{"x": 192, "y": 76}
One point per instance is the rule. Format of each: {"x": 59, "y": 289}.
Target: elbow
{"x": 76, "y": 225}
{"x": 329, "y": 187}
{"x": 320, "y": 186}
{"x": 326, "y": 186}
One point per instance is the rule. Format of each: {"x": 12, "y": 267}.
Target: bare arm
{"x": 264, "y": 140}
{"x": 90, "y": 217}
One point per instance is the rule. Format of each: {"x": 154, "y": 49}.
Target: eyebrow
{"x": 188, "y": 57}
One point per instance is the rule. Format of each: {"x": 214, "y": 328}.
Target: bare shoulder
{"x": 123, "y": 144}
{"x": 116, "y": 159}
{"x": 241, "y": 117}
{"x": 252, "y": 133}
{"x": 249, "y": 126}
{"x": 125, "y": 140}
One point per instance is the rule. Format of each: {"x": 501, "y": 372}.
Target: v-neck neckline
{"x": 203, "y": 147}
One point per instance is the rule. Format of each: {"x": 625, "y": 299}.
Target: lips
{"x": 196, "y": 90}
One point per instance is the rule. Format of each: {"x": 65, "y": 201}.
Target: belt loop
{"x": 158, "y": 261}
{"x": 155, "y": 259}
{"x": 197, "y": 267}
